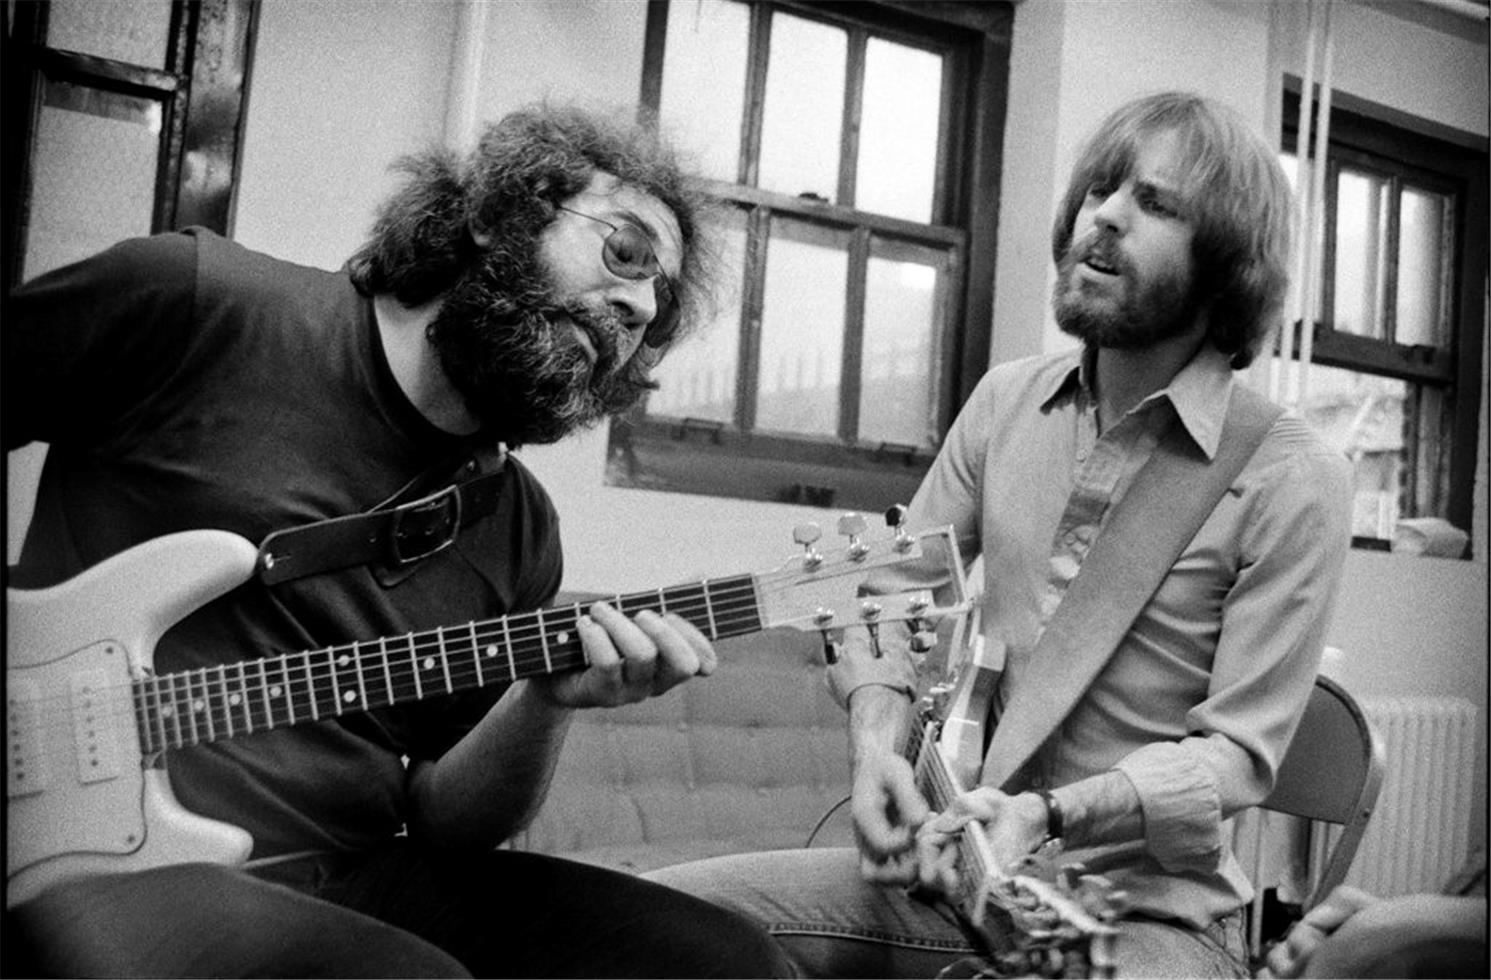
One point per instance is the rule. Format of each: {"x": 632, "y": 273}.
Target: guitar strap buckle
{"x": 424, "y": 527}
{"x": 392, "y": 538}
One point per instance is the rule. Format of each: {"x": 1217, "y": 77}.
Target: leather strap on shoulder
{"x": 394, "y": 536}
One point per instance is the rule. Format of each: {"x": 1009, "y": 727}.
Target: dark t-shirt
{"x": 184, "y": 382}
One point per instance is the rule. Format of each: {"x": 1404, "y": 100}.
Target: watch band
{"x": 1055, "y": 819}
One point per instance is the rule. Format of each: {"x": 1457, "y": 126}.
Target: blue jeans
{"x": 394, "y": 912}
{"x": 833, "y": 923}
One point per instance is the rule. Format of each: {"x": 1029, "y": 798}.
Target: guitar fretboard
{"x": 936, "y": 782}
{"x": 190, "y": 707}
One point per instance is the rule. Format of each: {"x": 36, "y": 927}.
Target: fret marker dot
{"x": 349, "y": 697}
{"x": 429, "y": 663}
{"x": 197, "y": 706}
{"x": 343, "y": 660}
{"x": 167, "y": 711}
{"x": 563, "y": 636}
{"x": 492, "y": 650}
{"x": 275, "y": 691}
{"x": 235, "y": 699}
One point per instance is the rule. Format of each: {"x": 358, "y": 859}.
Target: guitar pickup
{"x": 93, "y": 727}
{"x": 25, "y": 759}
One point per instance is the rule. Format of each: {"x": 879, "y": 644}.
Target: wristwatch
{"x": 1055, "y": 819}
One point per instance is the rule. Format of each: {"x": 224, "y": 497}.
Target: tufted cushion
{"x": 749, "y": 758}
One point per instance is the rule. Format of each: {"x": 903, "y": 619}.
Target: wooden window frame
{"x": 1438, "y": 165}
{"x": 201, "y": 89}
{"x": 733, "y": 460}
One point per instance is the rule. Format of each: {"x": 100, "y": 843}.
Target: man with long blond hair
{"x": 1171, "y": 245}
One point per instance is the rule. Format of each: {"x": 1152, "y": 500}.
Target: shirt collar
{"x": 1068, "y": 376}
{"x": 1199, "y": 393}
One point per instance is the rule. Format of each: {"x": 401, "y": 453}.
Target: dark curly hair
{"x": 1241, "y": 200}
{"x": 524, "y": 164}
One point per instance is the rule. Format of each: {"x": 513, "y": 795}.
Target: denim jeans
{"x": 833, "y": 923}
{"x": 395, "y": 912}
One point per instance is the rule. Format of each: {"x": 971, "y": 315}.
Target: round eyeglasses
{"x": 628, "y": 253}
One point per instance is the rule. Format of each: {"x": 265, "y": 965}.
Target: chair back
{"x": 1332, "y": 771}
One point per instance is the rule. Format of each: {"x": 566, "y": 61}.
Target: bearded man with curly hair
{"x": 359, "y": 426}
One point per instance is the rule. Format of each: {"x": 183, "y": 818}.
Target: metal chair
{"x": 1332, "y": 772}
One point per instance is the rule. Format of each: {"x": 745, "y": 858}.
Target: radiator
{"x": 1419, "y": 834}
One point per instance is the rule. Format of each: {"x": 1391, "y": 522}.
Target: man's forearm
{"x": 1101, "y": 809}
{"x": 878, "y": 716}
{"x": 491, "y": 783}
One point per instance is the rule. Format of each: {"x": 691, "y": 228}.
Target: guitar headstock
{"x": 1064, "y": 920}
{"x": 819, "y": 589}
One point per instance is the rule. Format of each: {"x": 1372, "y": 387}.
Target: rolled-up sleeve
{"x": 1294, "y": 540}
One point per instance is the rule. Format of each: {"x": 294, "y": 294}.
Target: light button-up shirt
{"x": 1197, "y": 704}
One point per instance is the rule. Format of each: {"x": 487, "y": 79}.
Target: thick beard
{"x": 1149, "y": 311}
{"x": 503, "y": 342}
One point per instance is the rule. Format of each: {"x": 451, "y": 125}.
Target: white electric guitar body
{"x": 89, "y": 721}
{"x": 81, "y": 796}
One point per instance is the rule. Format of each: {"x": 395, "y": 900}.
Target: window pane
{"x": 704, "y": 75}
{"x": 94, "y": 174}
{"x": 132, "y": 31}
{"x": 898, "y": 133}
{"x": 1425, "y": 238}
{"x": 1361, "y": 230}
{"x": 1362, "y": 416}
{"x": 698, "y": 376}
{"x": 802, "y": 329}
{"x": 804, "y": 111}
{"x": 903, "y": 328}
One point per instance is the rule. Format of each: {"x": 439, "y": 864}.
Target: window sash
{"x": 1441, "y": 412}
{"x": 974, "y": 57}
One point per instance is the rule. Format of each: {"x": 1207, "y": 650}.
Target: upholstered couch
{"x": 749, "y": 758}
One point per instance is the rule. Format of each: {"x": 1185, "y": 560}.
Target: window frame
{"x": 733, "y": 459}
{"x": 202, "y": 90}
{"x": 1459, "y": 168}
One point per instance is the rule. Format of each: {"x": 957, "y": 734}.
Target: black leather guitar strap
{"x": 393, "y": 536}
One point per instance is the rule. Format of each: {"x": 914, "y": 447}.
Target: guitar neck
{"x": 936, "y": 781}
{"x": 183, "y": 708}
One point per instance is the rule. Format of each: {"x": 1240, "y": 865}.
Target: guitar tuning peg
{"x": 805, "y": 535}
{"x": 852, "y": 525}
{"x": 895, "y": 519}
{"x": 833, "y": 646}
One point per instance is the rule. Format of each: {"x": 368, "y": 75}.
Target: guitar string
{"x": 514, "y": 630}
{"x": 974, "y": 868}
{"x": 971, "y": 865}
{"x": 156, "y": 699}
{"x": 205, "y": 694}
{"x": 214, "y": 702}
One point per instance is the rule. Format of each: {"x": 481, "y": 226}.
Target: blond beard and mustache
{"x": 1150, "y": 310}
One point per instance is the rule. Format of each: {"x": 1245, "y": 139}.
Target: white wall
{"x": 339, "y": 90}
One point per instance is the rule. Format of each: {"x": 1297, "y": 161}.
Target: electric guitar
{"x": 88, "y": 720}
{"x": 1032, "y": 918}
